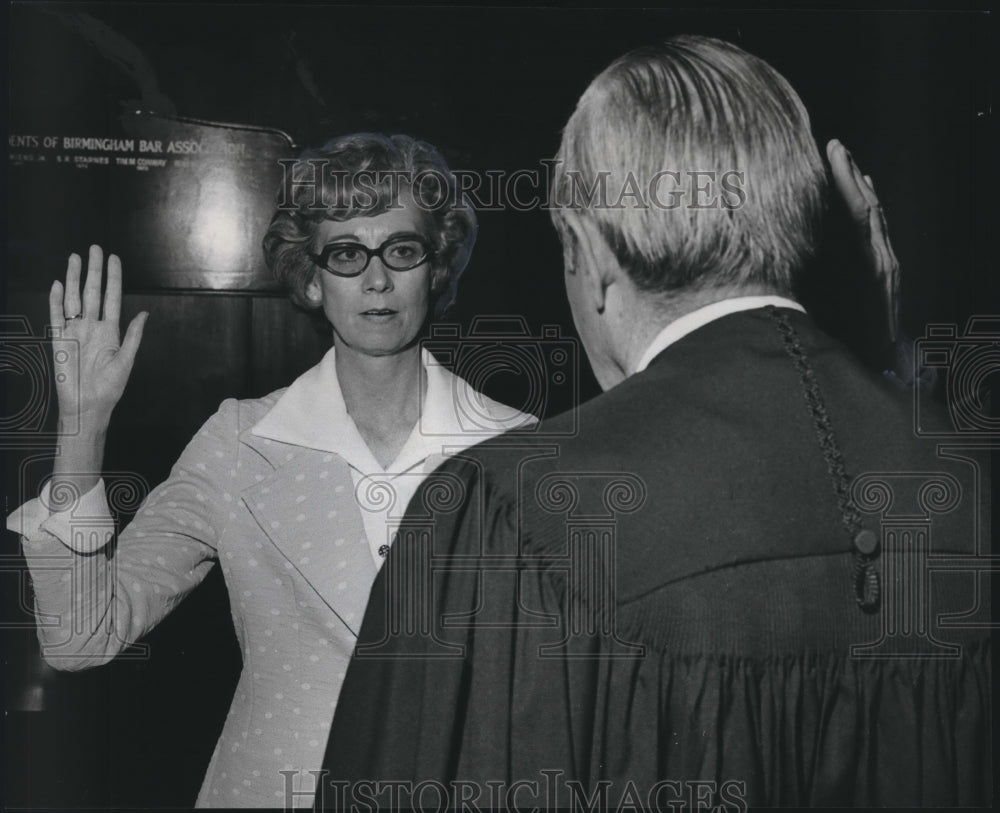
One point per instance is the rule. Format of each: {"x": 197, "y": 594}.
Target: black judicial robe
{"x": 654, "y": 601}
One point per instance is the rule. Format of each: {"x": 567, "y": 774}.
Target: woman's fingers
{"x": 113, "y": 293}
{"x": 89, "y": 306}
{"x": 56, "y": 316}
{"x": 71, "y": 294}
{"x": 92, "y": 287}
{"x": 133, "y": 336}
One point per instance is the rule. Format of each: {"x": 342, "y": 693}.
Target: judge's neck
{"x": 652, "y": 313}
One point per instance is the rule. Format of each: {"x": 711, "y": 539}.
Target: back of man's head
{"x": 696, "y": 161}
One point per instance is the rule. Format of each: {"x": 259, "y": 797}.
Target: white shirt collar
{"x": 312, "y": 413}
{"x": 690, "y": 322}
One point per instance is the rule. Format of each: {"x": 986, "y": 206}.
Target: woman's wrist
{"x": 79, "y": 457}
{"x": 86, "y": 425}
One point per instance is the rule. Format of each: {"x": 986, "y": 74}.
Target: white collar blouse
{"x": 311, "y": 413}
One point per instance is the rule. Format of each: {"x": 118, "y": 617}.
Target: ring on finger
{"x": 71, "y": 318}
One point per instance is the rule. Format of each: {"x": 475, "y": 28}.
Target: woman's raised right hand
{"x": 92, "y": 363}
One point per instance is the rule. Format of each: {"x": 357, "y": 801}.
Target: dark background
{"x": 908, "y": 92}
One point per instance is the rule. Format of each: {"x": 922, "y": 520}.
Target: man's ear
{"x": 595, "y": 260}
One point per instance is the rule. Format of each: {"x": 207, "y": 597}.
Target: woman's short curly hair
{"x": 363, "y": 175}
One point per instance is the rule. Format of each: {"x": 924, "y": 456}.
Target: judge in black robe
{"x": 739, "y": 577}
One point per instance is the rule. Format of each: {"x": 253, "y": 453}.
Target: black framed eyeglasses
{"x": 351, "y": 259}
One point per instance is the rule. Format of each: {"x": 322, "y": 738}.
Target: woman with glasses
{"x": 295, "y": 494}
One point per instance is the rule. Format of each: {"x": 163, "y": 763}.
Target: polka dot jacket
{"x": 282, "y": 492}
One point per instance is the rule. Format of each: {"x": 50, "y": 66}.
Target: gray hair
{"x": 693, "y": 112}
